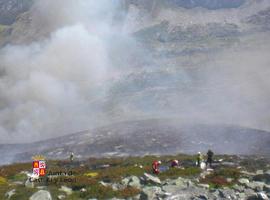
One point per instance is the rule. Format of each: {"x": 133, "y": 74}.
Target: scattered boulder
{"x": 201, "y": 197}
{"x": 134, "y": 182}
{"x": 204, "y": 186}
{"x": 105, "y": 184}
{"x": 125, "y": 181}
{"x": 41, "y": 195}
{"x": 266, "y": 188}
{"x": 238, "y": 188}
{"x": 259, "y": 172}
{"x": 61, "y": 197}
{"x": 243, "y": 181}
{"x": 29, "y": 184}
{"x": 171, "y": 189}
{"x": 117, "y": 186}
{"x": 256, "y": 186}
{"x": 9, "y": 194}
{"x": 67, "y": 190}
{"x": 150, "y": 192}
{"x": 227, "y": 194}
{"x": 151, "y": 179}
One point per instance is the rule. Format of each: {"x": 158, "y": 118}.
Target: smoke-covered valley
{"x": 71, "y": 66}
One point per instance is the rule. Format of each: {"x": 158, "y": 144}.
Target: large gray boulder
{"x": 227, "y": 194}
{"x": 134, "y": 182}
{"x": 256, "y": 186}
{"x": 41, "y": 195}
{"x": 150, "y": 192}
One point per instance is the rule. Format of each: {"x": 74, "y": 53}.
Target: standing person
{"x": 71, "y": 157}
{"x": 199, "y": 159}
{"x": 155, "y": 166}
{"x": 210, "y": 155}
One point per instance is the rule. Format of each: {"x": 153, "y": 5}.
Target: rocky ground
{"x": 232, "y": 177}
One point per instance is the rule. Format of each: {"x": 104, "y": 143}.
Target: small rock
{"x": 241, "y": 195}
{"x": 116, "y": 186}
{"x": 259, "y": 172}
{"x": 105, "y": 184}
{"x": 29, "y": 184}
{"x": 61, "y": 197}
{"x": 204, "y": 186}
{"x": 266, "y": 188}
{"x": 255, "y": 185}
{"x": 202, "y": 197}
{"x": 83, "y": 190}
{"x": 227, "y": 194}
{"x": 10, "y": 193}
{"x": 151, "y": 179}
{"x": 238, "y": 188}
{"x": 243, "y": 181}
{"x": 41, "y": 187}
{"x": 125, "y": 181}
{"x": 41, "y": 195}
{"x": 67, "y": 190}
{"x": 229, "y": 180}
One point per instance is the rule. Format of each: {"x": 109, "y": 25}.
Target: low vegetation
{"x": 96, "y": 176}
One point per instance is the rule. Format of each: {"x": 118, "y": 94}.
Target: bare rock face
{"x": 10, "y": 9}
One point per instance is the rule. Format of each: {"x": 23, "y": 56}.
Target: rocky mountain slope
{"x": 139, "y": 138}
{"x": 11, "y": 9}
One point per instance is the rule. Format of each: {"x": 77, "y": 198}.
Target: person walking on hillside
{"x": 155, "y": 166}
{"x": 210, "y": 155}
{"x": 199, "y": 159}
{"x": 71, "y": 157}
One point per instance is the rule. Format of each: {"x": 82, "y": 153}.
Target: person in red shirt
{"x": 155, "y": 166}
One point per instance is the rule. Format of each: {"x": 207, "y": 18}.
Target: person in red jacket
{"x": 155, "y": 166}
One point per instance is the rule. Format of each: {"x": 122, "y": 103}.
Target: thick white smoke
{"x": 46, "y": 87}
{"x": 63, "y": 84}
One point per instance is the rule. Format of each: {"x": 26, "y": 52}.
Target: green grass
{"x": 119, "y": 169}
{"x": 23, "y": 193}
